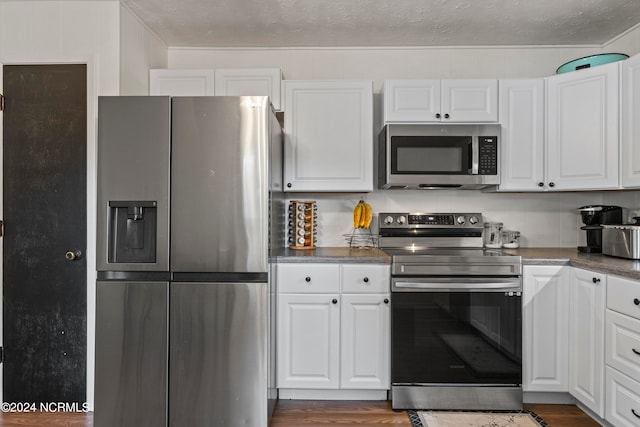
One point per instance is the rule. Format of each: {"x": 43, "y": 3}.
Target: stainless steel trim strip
{"x": 456, "y": 397}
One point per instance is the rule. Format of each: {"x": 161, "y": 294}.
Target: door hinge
{"x": 1, "y": 102}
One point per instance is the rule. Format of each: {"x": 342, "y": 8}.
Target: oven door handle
{"x": 467, "y": 285}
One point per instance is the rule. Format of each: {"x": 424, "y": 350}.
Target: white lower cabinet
{"x": 308, "y": 341}
{"x": 333, "y": 341}
{"x": 365, "y": 329}
{"x": 622, "y": 352}
{"x": 586, "y": 338}
{"x": 545, "y": 319}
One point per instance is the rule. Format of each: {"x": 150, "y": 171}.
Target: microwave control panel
{"x": 488, "y": 155}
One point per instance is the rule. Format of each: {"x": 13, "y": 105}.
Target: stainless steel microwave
{"x": 439, "y": 156}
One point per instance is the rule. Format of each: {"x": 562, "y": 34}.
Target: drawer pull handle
{"x": 595, "y": 280}
{"x": 307, "y": 279}
{"x": 366, "y": 280}
{"x": 636, "y": 301}
{"x": 635, "y": 413}
{"x": 635, "y": 351}
{"x": 386, "y": 301}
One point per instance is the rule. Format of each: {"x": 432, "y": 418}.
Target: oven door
{"x": 467, "y": 334}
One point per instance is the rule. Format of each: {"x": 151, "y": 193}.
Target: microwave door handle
{"x": 473, "y": 155}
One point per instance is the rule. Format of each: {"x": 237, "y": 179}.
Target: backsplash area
{"x": 543, "y": 219}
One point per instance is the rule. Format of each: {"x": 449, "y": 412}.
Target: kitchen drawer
{"x": 623, "y": 399}
{"x": 308, "y": 278}
{"x": 623, "y": 296}
{"x": 623, "y": 344}
{"x": 363, "y": 278}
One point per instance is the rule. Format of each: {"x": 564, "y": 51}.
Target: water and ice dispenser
{"x": 132, "y": 231}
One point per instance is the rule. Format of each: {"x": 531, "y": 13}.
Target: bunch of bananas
{"x": 362, "y": 215}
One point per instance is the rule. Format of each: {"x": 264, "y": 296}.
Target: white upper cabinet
{"x": 219, "y": 82}
{"x": 328, "y": 128}
{"x": 630, "y": 138}
{"x": 440, "y": 101}
{"x": 582, "y": 129}
{"x": 178, "y": 82}
{"x": 250, "y": 81}
{"x": 522, "y": 141}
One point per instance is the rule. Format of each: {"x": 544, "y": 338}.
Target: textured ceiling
{"x": 338, "y": 23}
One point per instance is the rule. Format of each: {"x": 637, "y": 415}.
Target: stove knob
{"x": 388, "y": 220}
{"x": 473, "y": 220}
{"x": 401, "y": 220}
{"x": 460, "y": 220}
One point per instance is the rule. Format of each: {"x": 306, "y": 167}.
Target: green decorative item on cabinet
{"x": 591, "y": 61}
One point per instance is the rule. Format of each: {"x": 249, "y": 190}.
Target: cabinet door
{"x": 411, "y": 101}
{"x": 586, "y": 339}
{"x": 328, "y": 136}
{"x": 630, "y": 142}
{"x": 582, "y": 129}
{"x": 249, "y": 81}
{"x": 469, "y": 100}
{"x": 176, "y": 82}
{"x": 308, "y": 341}
{"x": 364, "y": 354}
{"x": 545, "y": 320}
{"x": 522, "y": 142}
{"x": 623, "y": 400}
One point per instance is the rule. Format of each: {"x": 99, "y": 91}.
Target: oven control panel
{"x": 429, "y": 220}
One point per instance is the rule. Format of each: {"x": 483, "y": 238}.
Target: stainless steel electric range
{"x": 456, "y": 313}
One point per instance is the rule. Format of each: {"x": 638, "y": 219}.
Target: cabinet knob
{"x": 551, "y": 184}
{"x": 386, "y": 300}
{"x": 334, "y": 301}
{"x": 365, "y": 280}
{"x": 446, "y": 116}
{"x": 636, "y": 301}
{"x": 307, "y": 279}
{"x": 73, "y": 255}
{"x": 288, "y": 185}
{"x": 438, "y": 115}
{"x": 541, "y": 184}
{"x": 595, "y": 280}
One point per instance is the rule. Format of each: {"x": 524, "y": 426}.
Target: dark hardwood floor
{"x": 306, "y": 413}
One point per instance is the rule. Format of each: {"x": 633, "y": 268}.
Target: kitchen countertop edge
{"x": 530, "y": 256}
{"x": 333, "y": 255}
{"x": 570, "y": 256}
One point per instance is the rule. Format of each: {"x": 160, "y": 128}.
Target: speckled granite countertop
{"x": 530, "y": 256}
{"x": 571, "y": 256}
{"x": 334, "y": 255}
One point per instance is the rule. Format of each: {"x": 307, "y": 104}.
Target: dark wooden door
{"x": 44, "y": 203}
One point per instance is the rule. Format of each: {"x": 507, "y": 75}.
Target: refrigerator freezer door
{"x": 134, "y": 143}
{"x": 218, "y": 354}
{"x": 131, "y": 354}
{"x": 220, "y": 184}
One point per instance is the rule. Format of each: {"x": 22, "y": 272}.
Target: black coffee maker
{"x": 593, "y": 217}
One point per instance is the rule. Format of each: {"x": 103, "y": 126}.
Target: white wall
{"x": 544, "y": 219}
{"x": 140, "y": 50}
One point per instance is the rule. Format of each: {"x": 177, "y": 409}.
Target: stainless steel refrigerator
{"x": 186, "y": 190}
